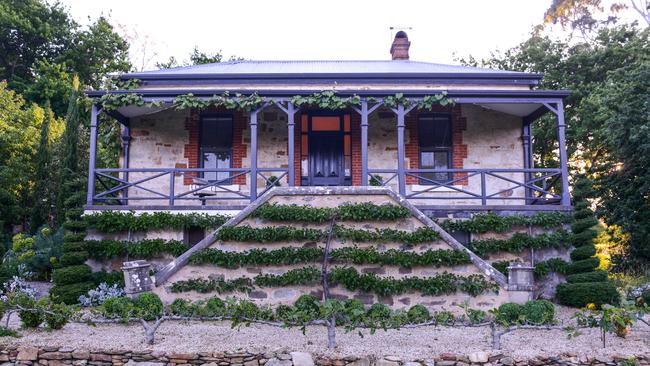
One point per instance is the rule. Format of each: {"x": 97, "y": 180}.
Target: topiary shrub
{"x": 148, "y": 306}
{"x": 581, "y": 294}
{"x": 110, "y": 278}
{"x": 72, "y": 275}
{"x": 69, "y": 294}
{"x": 378, "y": 312}
{"x": 585, "y": 265}
{"x": 583, "y": 252}
{"x": 539, "y": 312}
{"x": 594, "y": 276}
{"x": 73, "y": 258}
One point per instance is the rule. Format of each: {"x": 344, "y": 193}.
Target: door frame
{"x": 307, "y": 181}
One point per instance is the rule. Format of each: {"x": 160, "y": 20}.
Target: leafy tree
{"x": 41, "y": 45}
{"x": 621, "y": 106}
{"x": 196, "y": 58}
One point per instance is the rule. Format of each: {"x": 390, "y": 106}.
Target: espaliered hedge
{"x": 353, "y": 255}
{"x": 147, "y": 248}
{"x": 393, "y": 257}
{"x": 585, "y": 285}
{"x": 257, "y": 257}
{"x": 421, "y": 235}
{"x": 492, "y": 222}
{"x": 114, "y": 221}
{"x": 518, "y": 242}
{"x": 348, "y": 212}
{"x": 440, "y": 284}
{"x": 269, "y": 234}
{"x": 349, "y": 278}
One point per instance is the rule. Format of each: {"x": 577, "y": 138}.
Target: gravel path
{"x": 408, "y": 344}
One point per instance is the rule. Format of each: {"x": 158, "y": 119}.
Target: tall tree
{"x": 42, "y": 175}
{"x": 196, "y": 58}
{"x": 41, "y": 46}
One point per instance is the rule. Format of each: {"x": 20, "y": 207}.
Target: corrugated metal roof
{"x": 324, "y": 67}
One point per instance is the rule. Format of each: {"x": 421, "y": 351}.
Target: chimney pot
{"x": 399, "y": 50}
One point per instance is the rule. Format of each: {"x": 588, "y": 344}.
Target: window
{"x": 434, "y": 138}
{"x": 216, "y": 146}
{"x": 193, "y": 235}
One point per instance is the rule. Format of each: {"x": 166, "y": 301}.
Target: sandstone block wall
{"x": 488, "y": 139}
{"x": 288, "y": 295}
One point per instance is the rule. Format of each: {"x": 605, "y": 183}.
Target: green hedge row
{"x": 518, "y": 242}
{"x": 492, "y": 222}
{"x": 113, "y": 221}
{"x": 347, "y": 212}
{"x": 348, "y": 277}
{"x": 147, "y": 248}
{"x": 421, "y": 235}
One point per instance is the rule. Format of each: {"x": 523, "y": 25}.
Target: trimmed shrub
{"x": 594, "y": 276}
{"x": 581, "y": 294}
{"x": 585, "y": 265}
{"x": 118, "y": 307}
{"x": 583, "y": 252}
{"x": 73, "y": 246}
{"x": 215, "y": 307}
{"x": 148, "y": 306}
{"x": 71, "y": 275}
{"x": 74, "y": 225}
{"x": 110, "y": 278}
{"x": 73, "y": 258}
{"x": 31, "y": 318}
{"x": 587, "y": 223}
{"x": 418, "y": 314}
{"x": 509, "y": 313}
{"x": 308, "y": 304}
{"x": 69, "y": 294}
{"x": 539, "y": 311}
{"x": 74, "y": 237}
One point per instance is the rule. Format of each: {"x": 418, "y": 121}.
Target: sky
{"x": 439, "y": 30}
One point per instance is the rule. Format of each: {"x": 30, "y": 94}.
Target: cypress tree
{"x": 42, "y": 175}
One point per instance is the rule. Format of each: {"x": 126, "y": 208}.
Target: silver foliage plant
{"x": 102, "y": 293}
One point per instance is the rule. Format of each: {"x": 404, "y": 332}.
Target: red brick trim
{"x": 297, "y": 150}
{"x": 355, "y": 148}
{"x": 191, "y": 149}
{"x": 459, "y": 149}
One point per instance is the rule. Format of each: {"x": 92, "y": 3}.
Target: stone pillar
{"x": 520, "y": 282}
{"x": 136, "y": 277}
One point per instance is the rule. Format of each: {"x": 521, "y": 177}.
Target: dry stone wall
{"x": 59, "y": 356}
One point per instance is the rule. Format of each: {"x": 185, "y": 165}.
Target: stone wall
{"x": 288, "y": 295}
{"x": 59, "y": 356}
{"x": 487, "y": 139}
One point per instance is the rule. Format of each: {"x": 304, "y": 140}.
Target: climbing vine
{"x": 518, "y": 242}
{"x": 147, "y": 248}
{"x": 421, "y": 235}
{"x": 346, "y": 212}
{"x": 348, "y": 277}
{"x": 114, "y": 221}
{"x": 269, "y": 234}
{"x": 492, "y": 222}
{"x": 354, "y": 255}
{"x": 325, "y": 99}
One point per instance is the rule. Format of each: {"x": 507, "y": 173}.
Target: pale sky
{"x": 312, "y": 30}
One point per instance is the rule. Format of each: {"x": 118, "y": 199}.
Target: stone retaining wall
{"x": 55, "y": 356}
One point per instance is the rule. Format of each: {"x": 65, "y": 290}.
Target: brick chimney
{"x": 399, "y": 50}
